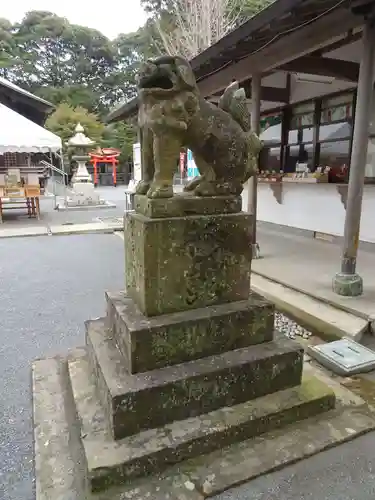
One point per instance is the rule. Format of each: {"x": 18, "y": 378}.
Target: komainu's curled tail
{"x": 234, "y": 102}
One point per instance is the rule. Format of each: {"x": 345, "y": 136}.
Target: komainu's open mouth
{"x": 158, "y": 80}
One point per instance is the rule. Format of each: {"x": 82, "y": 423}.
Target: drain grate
{"x": 344, "y": 357}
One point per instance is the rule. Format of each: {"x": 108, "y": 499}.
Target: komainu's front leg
{"x": 147, "y": 161}
{"x": 166, "y": 151}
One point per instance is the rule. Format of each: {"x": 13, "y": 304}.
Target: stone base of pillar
{"x": 348, "y": 285}
{"x": 255, "y": 249}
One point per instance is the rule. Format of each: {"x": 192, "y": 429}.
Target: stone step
{"x": 112, "y": 462}
{"x": 60, "y": 465}
{"x": 148, "y": 343}
{"x": 152, "y": 399}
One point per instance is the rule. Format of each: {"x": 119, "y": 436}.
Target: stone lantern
{"x": 83, "y": 187}
{"x": 81, "y": 143}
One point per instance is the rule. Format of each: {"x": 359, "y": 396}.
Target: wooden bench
{"x": 13, "y": 198}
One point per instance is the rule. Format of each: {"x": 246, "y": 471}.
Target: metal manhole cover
{"x": 344, "y": 357}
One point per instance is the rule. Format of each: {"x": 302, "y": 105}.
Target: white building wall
{"x": 301, "y": 91}
{"x": 313, "y": 207}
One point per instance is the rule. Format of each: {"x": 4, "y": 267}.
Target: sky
{"x": 111, "y": 17}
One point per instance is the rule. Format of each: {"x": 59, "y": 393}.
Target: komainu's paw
{"x": 160, "y": 191}
{"x": 206, "y": 188}
{"x": 142, "y": 187}
{"x": 233, "y": 188}
{"x": 193, "y": 184}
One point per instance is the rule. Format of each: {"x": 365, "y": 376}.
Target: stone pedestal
{"x": 187, "y": 339}
{"x": 84, "y": 194}
{"x": 180, "y": 263}
{"x": 186, "y": 361}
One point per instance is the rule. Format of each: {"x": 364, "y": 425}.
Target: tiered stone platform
{"x": 184, "y": 363}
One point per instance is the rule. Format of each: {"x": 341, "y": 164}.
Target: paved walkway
{"x": 308, "y": 265}
{"x": 17, "y": 223}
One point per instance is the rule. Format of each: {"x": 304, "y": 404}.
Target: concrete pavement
{"x": 48, "y": 288}
{"x": 308, "y": 265}
{"x": 18, "y": 219}
{"x": 53, "y": 222}
{"x": 343, "y": 473}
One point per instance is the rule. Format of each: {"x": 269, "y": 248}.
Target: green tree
{"x": 74, "y": 95}
{"x": 40, "y": 40}
{"x": 66, "y": 63}
{"x": 8, "y": 48}
{"x": 131, "y": 49}
{"x": 65, "y": 118}
{"x": 62, "y": 61}
{"x": 122, "y": 136}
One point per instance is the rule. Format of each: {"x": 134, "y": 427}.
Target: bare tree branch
{"x": 197, "y": 25}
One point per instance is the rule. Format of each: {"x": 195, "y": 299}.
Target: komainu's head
{"x": 166, "y": 74}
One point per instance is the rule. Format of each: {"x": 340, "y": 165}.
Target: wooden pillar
{"x": 95, "y": 174}
{"x": 253, "y": 181}
{"x": 348, "y": 282}
{"x": 114, "y": 172}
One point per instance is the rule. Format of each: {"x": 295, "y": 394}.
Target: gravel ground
{"x": 47, "y": 291}
{"x": 290, "y": 328}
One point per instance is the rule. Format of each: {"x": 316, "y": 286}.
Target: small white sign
{"x": 137, "y": 162}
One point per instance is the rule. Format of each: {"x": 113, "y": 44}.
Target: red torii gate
{"x": 105, "y": 155}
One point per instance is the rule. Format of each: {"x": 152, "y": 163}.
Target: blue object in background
{"x": 192, "y": 169}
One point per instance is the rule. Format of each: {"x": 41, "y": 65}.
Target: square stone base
{"x": 169, "y": 339}
{"x": 71, "y": 432}
{"x": 151, "y": 399}
{"x": 180, "y": 263}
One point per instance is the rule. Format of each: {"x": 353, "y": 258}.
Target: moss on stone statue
{"x": 151, "y": 343}
{"x": 206, "y": 433}
{"x": 187, "y": 262}
{"x": 186, "y": 391}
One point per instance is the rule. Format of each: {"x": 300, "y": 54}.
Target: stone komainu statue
{"x": 172, "y": 115}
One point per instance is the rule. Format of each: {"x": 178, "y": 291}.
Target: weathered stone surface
{"x": 219, "y": 471}
{"x": 158, "y": 341}
{"x": 59, "y": 456}
{"x": 111, "y": 462}
{"x": 348, "y": 285}
{"x": 183, "y": 204}
{"x": 174, "y": 486}
{"x": 225, "y": 148}
{"x": 185, "y": 263}
{"x": 152, "y": 399}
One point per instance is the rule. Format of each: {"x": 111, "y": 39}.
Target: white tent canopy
{"x": 20, "y": 135}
